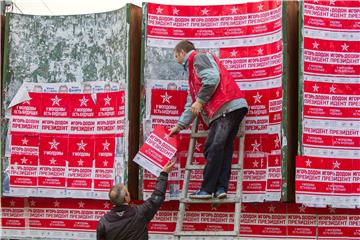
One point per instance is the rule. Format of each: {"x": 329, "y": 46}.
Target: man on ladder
{"x": 213, "y": 93}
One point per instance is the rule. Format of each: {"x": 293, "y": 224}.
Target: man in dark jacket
{"x": 125, "y": 222}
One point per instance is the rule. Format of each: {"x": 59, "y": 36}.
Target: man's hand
{"x": 196, "y": 107}
{"x": 168, "y": 166}
{"x": 174, "y": 130}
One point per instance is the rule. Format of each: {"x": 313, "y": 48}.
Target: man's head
{"x": 119, "y": 195}
{"x": 181, "y": 49}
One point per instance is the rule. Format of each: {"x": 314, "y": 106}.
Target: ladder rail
{"x": 184, "y": 199}
{"x": 185, "y": 188}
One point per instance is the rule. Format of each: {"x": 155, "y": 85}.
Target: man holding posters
{"x": 127, "y": 222}
{"x": 214, "y": 94}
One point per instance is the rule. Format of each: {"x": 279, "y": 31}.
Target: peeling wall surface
{"x": 75, "y": 48}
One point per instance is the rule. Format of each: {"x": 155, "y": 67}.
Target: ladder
{"x": 184, "y": 199}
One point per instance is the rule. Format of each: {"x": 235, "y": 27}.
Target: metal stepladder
{"x": 184, "y": 199}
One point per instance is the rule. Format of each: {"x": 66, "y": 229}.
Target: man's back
{"x": 123, "y": 222}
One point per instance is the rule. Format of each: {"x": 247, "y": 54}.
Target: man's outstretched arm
{"x": 149, "y": 208}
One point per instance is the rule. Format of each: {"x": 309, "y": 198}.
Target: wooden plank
{"x": 134, "y": 54}
{"x": 290, "y": 91}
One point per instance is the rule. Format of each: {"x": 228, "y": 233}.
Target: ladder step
{"x": 211, "y": 200}
{"x": 201, "y": 167}
{"x": 205, "y": 233}
{"x": 199, "y": 134}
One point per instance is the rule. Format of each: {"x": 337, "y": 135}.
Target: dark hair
{"x": 185, "y": 45}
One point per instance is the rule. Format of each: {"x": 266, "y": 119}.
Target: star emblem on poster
{"x": 344, "y": 47}
{"x": 107, "y": 100}
{"x": 257, "y": 98}
{"x": 277, "y": 93}
{"x": 332, "y": 88}
{"x": 32, "y": 203}
{"x": 83, "y": 101}
{"x": 176, "y": 11}
{"x": 197, "y": 146}
{"x": 81, "y": 204}
{"x": 52, "y": 161}
{"x": 315, "y": 88}
{"x": 54, "y": 144}
{"x": 255, "y": 164}
{"x": 315, "y": 45}
{"x": 81, "y": 162}
{"x": 243, "y": 208}
{"x": 302, "y": 208}
{"x": 28, "y": 101}
{"x": 260, "y": 51}
{"x": 24, "y": 141}
{"x": 56, "y": 203}
{"x": 166, "y": 98}
{"x": 159, "y": 10}
{"x": 308, "y": 163}
{"x": 24, "y": 160}
{"x": 105, "y": 163}
{"x": 56, "y": 101}
{"x": 106, "y": 145}
{"x": 260, "y": 7}
{"x": 106, "y": 205}
{"x": 81, "y": 145}
{"x": 336, "y": 164}
{"x": 205, "y": 12}
{"x": 332, "y": 2}
{"x": 233, "y": 53}
{"x": 255, "y": 146}
{"x": 276, "y": 161}
{"x": 12, "y": 203}
{"x": 332, "y": 210}
{"x": 234, "y": 10}
{"x": 272, "y": 208}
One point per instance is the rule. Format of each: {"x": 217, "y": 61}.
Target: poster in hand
{"x": 157, "y": 150}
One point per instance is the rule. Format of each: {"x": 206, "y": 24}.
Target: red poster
{"x": 301, "y": 221}
{"x": 104, "y": 165}
{"x": 24, "y": 163}
{"x": 81, "y": 160}
{"x": 25, "y": 115}
{"x": 157, "y": 150}
{"x": 13, "y": 216}
{"x": 120, "y": 113}
{"x": 106, "y": 108}
{"x": 52, "y": 164}
{"x": 213, "y": 22}
{"x": 167, "y": 102}
{"x": 252, "y": 62}
{"x": 55, "y": 113}
{"x": 82, "y": 114}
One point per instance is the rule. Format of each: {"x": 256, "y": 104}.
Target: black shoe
{"x": 220, "y": 193}
{"x": 200, "y": 195}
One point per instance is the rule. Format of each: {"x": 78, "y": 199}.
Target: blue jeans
{"x": 219, "y": 147}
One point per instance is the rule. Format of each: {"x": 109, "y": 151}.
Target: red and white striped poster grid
{"x": 328, "y": 171}
{"x": 63, "y": 144}
{"x": 70, "y": 218}
{"x": 249, "y": 40}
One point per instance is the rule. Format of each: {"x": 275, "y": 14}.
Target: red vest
{"x": 226, "y": 91}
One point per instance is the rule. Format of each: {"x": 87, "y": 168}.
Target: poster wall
{"x": 327, "y": 172}
{"x": 77, "y": 218}
{"x": 65, "y": 105}
{"x": 247, "y": 38}
{"x": 65, "y": 144}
